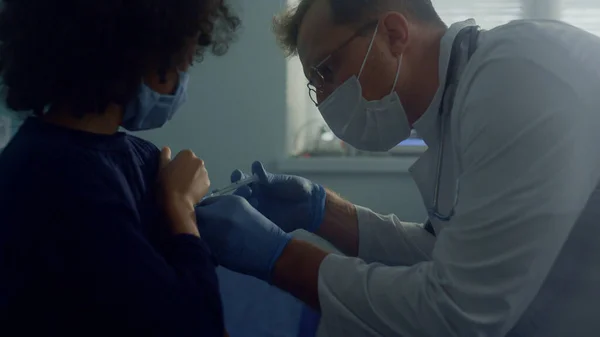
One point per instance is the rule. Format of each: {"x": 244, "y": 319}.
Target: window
{"x": 487, "y": 13}
{"x": 584, "y": 14}
{"x": 313, "y": 138}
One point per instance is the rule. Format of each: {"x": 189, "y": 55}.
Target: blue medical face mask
{"x": 376, "y": 125}
{"x": 151, "y": 110}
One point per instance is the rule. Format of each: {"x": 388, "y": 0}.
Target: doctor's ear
{"x": 395, "y": 26}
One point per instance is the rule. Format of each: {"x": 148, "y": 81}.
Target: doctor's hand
{"x": 291, "y": 202}
{"x": 241, "y": 238}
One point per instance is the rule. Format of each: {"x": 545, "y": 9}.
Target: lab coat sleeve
{"x": 527, "y": 172}
{"x": 386, "y": 239}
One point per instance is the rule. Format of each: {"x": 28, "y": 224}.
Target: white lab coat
{"x": 521, "y": 255}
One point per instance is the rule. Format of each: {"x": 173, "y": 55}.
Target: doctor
{"x": 510, "y": 178}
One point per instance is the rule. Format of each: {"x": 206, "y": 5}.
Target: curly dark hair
{"x": 88, "y": 54}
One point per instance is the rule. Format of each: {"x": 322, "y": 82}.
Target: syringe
{"x": 232, "y": 187}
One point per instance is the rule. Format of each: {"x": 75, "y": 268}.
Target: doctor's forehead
{"x": 318, "y": 35}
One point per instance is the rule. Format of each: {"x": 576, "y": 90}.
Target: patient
{"x": 83, "y": 248}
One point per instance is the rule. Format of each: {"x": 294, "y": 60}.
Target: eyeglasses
{"x": 320, "y": 74}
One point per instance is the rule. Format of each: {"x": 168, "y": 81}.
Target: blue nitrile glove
{"x": 291, "y": 202}
{"x": 241, "y": 238}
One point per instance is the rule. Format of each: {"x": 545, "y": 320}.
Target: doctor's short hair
{"x": 87, "y": 54}
{"x": 348, "y": 12}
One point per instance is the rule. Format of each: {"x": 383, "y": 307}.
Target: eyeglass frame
{"x": 314, "y": 71}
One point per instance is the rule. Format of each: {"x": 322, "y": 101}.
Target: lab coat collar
{"x": 427, "y": 126}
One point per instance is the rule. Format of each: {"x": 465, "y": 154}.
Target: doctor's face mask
{"x": 369, "y": 125}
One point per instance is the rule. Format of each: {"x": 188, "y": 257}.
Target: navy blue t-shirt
{"x": 84, "y": 248}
